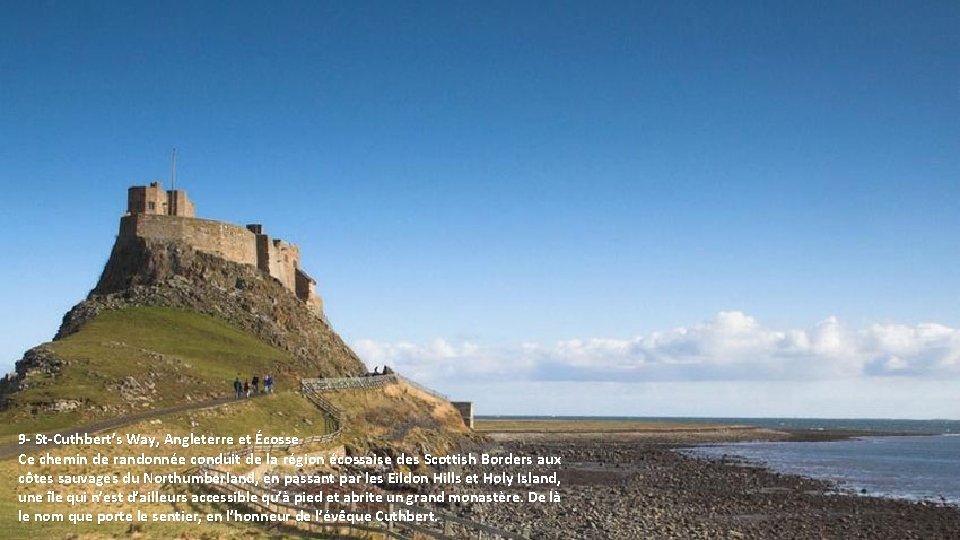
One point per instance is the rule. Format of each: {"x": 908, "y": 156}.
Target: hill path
{"x": 311, "y": 389}
{"x": 12, "y": 449}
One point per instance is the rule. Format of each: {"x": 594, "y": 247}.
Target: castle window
{"x": 152, "y": 206}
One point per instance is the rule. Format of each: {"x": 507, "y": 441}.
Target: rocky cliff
{"x": 171, "y": 274}
{"x": 143, "y": 272}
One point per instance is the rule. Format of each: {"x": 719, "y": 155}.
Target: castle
{"x": 169, "y": 215}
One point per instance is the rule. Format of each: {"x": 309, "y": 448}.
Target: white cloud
{"x": 872, "y": 397}
{"x": 731, "y": 346}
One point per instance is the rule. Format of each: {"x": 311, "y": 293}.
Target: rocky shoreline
{"x": 632, "y": 486}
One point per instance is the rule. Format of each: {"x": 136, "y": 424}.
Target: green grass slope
{"x": 285, "y": 413}
{"x": 142, "y": 358}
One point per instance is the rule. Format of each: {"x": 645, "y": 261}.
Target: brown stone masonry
{"x": 155, "y": 214}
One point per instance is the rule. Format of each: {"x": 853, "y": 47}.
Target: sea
{"x": 924, "y": 465}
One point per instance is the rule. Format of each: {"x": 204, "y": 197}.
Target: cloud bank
{"x": 731, "y": 346}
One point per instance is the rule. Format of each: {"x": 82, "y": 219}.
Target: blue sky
{"x": 485, "y": 184}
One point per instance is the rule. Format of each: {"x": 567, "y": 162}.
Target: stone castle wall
{"x": 179, "y": 204}
{"x": 279, "y": 259}
{"x": 307, "y": 291}
{"x": 244, "y": 245}
{"x": 230, "y": 242}
{"x": 153, "y": 199}
{"x": 284, "y": 260}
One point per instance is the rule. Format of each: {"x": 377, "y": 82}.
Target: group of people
{"x": 376, "y": 371}
{"x": 250, "y": 387}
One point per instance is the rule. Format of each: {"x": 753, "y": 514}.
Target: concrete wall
{"x": 465, "y": 408}
{"x": 226, "y": 241}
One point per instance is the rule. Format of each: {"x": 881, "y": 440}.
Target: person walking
{"x": 246, "y": 388}
{"x": 268, "y": 383}
{"x": 256, "y": 384}
{"x": 237, "y": 387}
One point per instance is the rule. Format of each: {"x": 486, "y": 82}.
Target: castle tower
{"x": 154, "y": 200}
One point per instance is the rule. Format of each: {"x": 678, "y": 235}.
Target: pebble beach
{"x": 635, "y": 485}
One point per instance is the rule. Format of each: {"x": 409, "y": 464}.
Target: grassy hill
{"x": 285, "y": 413}
{"x": 140, "y": 358}
{"x": 168, "y": 326}
{"x": 400, "y": 413}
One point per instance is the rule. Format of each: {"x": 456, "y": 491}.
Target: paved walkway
{"x": 13, "y": 449}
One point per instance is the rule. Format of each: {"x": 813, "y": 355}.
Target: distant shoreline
{"x": 627, "y": 480}
{"x": 812, "y": 429}
{"x": 709, "y": 431}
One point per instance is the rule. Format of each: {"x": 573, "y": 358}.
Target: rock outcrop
{"x": 39, "y": 361}
{"x": 144, "y": 272}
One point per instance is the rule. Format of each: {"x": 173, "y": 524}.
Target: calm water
{"x": 866, "y": 424}
{"x": 911, "y": 467}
